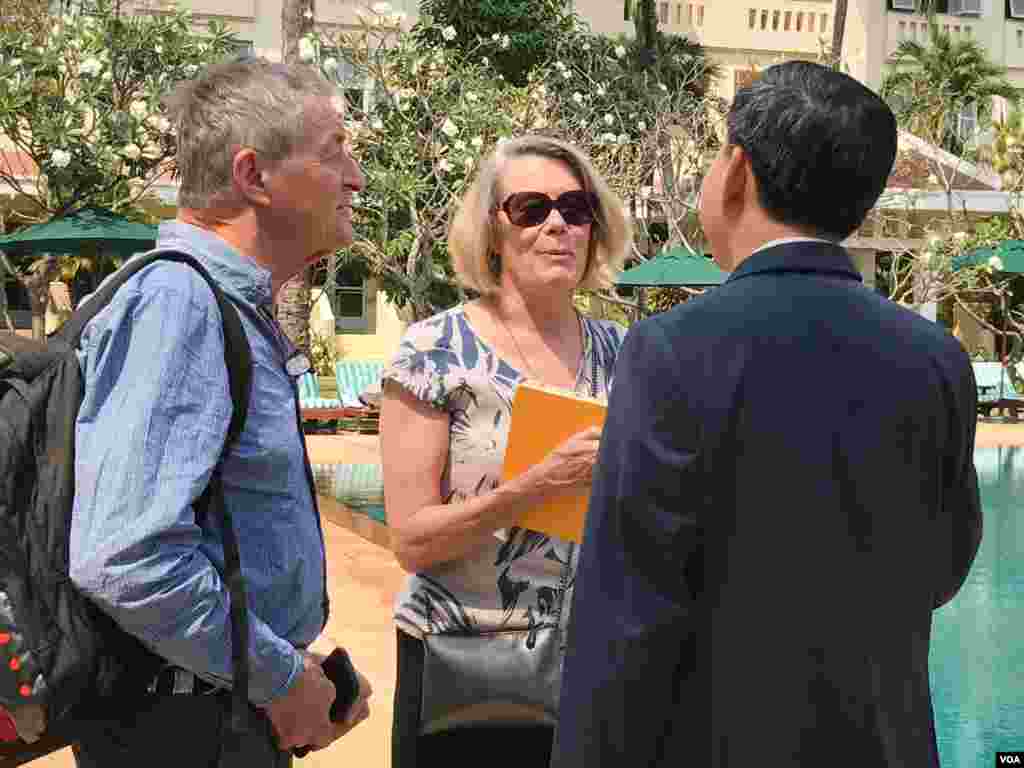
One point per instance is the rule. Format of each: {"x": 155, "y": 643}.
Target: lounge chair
{"x": 996, "y": 390}
{"x": 357, "y": 382}
{"x": 313, "y": 406}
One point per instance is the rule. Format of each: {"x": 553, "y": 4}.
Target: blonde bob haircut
{"x": 473, "y": 234}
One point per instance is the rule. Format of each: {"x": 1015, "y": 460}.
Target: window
{"x": 799, "y": 20}
{"x": 764, "y": 20}
{"x": 689, "y": 14}
{"x": 347, "y": 293}
{"x": 775, "y": 21}
{"x": 752, "y": 18}
{"x": 967, "y": 122}
{"x": 903, "y": 30}
{"x": 823, "y": 27}
{"x": 786, "y": 19}
{"x": 810, "y": 22}
{"x": 244, "y": 48}
{"x": 700, "y": 15}
{"x": 356, "y": 87}
{"x": 679, "y": 13}
{"x": 663, "y": 13}
{"x": 1020, "y": 38}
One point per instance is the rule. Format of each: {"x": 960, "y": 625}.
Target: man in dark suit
{"x": 785, "y": 489}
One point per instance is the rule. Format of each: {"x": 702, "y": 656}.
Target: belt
{"x": 177, "y": 681}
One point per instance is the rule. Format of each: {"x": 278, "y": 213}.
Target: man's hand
{"x": 302, "y": 716}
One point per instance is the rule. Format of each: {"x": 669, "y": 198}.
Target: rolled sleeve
{"x": 150, "y": 431}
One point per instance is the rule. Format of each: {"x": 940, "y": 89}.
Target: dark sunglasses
{"x": 528, "y": 209}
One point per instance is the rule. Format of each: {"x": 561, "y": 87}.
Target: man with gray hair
{"x": 266, "y": 188}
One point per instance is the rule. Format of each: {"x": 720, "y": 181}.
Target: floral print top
{"x": 525, "y": 579}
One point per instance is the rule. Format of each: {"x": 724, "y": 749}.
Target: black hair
{"x": 821, "y": 146}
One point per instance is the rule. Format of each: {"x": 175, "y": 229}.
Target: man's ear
{"x": 737, "y": 178}
{"x": 248, "y": 177}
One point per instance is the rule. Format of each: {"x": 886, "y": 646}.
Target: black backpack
{"x": 59, "y": 652}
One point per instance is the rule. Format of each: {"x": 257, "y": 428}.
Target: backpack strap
{"x": 238, "y": 357}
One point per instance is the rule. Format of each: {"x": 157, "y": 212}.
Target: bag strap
{"x": 238, "y": 357}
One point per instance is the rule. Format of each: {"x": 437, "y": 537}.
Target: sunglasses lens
{"x": 528, "y": 209}
{"x": 576, "y": 208}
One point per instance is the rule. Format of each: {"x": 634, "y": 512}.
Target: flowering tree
{"x": 80, "y": 105}
{"x": 437, "y": 108}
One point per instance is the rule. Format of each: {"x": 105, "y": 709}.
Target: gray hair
{"x": 249, "y": 102}
{"x": 471, "y": 235}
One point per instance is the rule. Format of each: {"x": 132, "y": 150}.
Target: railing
{"x": 780, "y": 20}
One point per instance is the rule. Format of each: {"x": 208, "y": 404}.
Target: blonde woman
{"x": 481, "y": 621}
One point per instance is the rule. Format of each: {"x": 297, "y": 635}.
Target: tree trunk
{"x": 838, "y": 30}
{"x": 293, "y": 301}
{"x": 37, "y": 282}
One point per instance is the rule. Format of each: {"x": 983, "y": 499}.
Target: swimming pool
{"x": 977, "y": 652}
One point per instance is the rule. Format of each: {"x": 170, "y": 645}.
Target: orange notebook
{"x": 542, "y": 419}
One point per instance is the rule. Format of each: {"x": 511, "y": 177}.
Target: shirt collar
{"x": 798, "y": 254}
{"x": 237, "y": 274}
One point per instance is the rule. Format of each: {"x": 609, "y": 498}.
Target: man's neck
{"x": 751, "y": 240}
{"x": 239, "y": 230}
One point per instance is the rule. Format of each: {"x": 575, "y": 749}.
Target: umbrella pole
{"x": 641, "y": 303}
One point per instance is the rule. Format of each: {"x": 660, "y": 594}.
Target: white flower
{"x": 601, "y": 91}
{"x": 449, "y": 33}
{"x": 485, "y": 61}
{"x": 152, "y": 151}
{"x": 620, "y": 51}
{"x": 506, "y": 41}
{"x": 138, "y": 109}
{"x": 960, "y": 235}
{"x": 381, "y": 9}
{"x": 89, "y": 68}
{"x": 996, "y": 263}
{"x": 577, "y": 97}
{"x": 445, "y": 166}
{"x": 566, "y": 74}
{"x": 460, "y": 145}
{"x": 131, "y": 151}
{"x": 330, "y": 65}
{"x": 623, "y": 138}
{"x": 471, "y": 97}
{"x": 377, "y": 124}
{"x": 586, "y": 46}
{"x": 60, "y": 158}
{"x": 933, "y": 179}
{"x": 477, "y": 142}
{"x": 306, "y": 50}
{"x": 495, "y": 37}
{"x": 608, "y": 138}
{"x": 663, "y": 87}
{"x": 449, "y": 128}
{"x": 559, "y": 65}
{"x": 641, "y": 126}
{"x": 308, "y": 14}
{"x": 609, "y": 120}
{"x": 190, "y": 70}
{"x": 502, "y": 140}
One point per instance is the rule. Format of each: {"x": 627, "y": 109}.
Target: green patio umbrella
{"x": 676, "y": 266}
{"x": 66, "y": 234}
{"x": 1010, "y": 252}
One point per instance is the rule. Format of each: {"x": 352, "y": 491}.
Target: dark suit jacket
{"x": 785, "y": 492}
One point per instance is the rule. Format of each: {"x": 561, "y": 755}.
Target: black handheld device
{"x": 339, "y": 670}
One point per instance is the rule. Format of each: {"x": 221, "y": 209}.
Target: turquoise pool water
{"x": 977, "y": 654}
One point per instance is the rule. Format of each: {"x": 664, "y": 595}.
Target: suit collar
{"x": 815, "y": 256}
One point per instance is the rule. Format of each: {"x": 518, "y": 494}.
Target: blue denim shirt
{"x": 152, "y": 425}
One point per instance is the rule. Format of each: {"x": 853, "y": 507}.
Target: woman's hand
{"x": 570, "y": 466}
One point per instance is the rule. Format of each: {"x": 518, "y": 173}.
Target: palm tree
{"x": 838, "y": 30}
{"x": 934, "y": 83}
